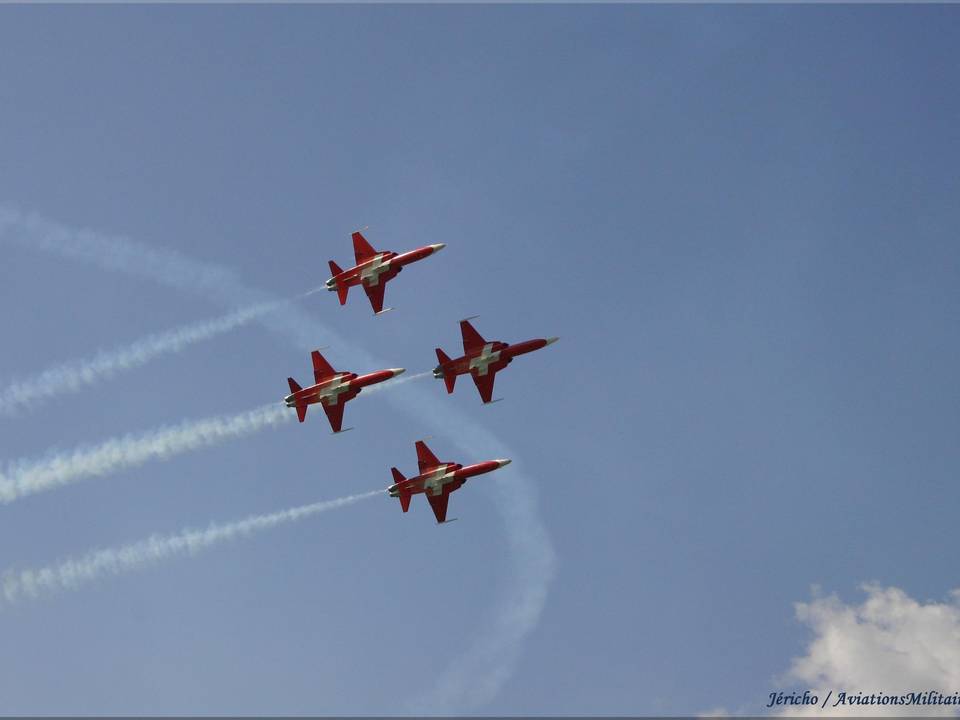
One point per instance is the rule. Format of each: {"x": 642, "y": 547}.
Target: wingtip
{"x": 551, "y": 341}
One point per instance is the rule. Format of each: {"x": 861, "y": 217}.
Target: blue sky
{"x": 741, "y": 221}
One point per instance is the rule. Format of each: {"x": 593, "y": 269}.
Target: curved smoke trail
{"x": 71, "y": 573}
{"x": 476, "y": 677}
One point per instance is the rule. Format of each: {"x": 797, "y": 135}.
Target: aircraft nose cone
{"x": 503, "y": 461}
{"x": 551, "y": 341}
{"x": 398, "y": 371}
{"x": 438, "y": 247}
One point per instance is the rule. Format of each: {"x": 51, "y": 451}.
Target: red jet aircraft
{"x": 333, "y": 389}
{"x": 436, "y": 480}
{"x": 482, "y": 359}
{"x": 373, "y": 270}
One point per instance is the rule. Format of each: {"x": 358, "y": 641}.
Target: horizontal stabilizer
{"x": 342, "y": 293}
{"x": 334, "y": 268}
{"x": 294, "y": 385}
{"x": 301, "y": 412}
{"x": 449, "y": 379}
{"x": 397, "y": 475}
{"x": 405, "y": 501}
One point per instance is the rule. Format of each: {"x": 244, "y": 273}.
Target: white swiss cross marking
{"x": 437, "y": 479}
{"x": 482, "y": 362}
{"x": 330, "y": 394}
{"x": 370, "y": 275}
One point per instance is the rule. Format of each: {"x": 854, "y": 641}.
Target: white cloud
{"x": 890, "y": 644}
{"x": 714, "y": 712}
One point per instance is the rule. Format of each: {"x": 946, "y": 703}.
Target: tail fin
{"x": 341, "y": 289}
{"x": 301, "y": 409}
{"x": 404, "y": 496}
{"x": 448, "y": 378}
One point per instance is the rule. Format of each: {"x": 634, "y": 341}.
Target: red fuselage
{"x": 338, "y": 388}
{"x": 380, "y": 268}
{"x": 436, "y": 480}
{"x": 445, "y": 477}
{"x": 491, "y": 358}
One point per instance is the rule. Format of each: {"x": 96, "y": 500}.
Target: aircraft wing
{"x": 375, "y": 293}
{"x": 321, "y": 368}
{"x": 425, "y": 457}
{"x": 335, "y": 415}
{"x": 362, "y": 250}
{"x": 472, "y": 340}
{"x": 484, "y": 383}
{"x": 439, "y": 504}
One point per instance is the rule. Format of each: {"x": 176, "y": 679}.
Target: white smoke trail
{"x": 475, "y": 677}
{"x": 390, "y": 384}
{"x": 74, "y": 375}
{"x": 71, "y": 573}
{"x": 27, "y": 477}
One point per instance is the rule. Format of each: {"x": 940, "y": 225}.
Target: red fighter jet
{"x": 482, "y": 359}
{"x": 373, "y": 270}
{"x": 332, "y": 390}
{"x": 436, "y": 480}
